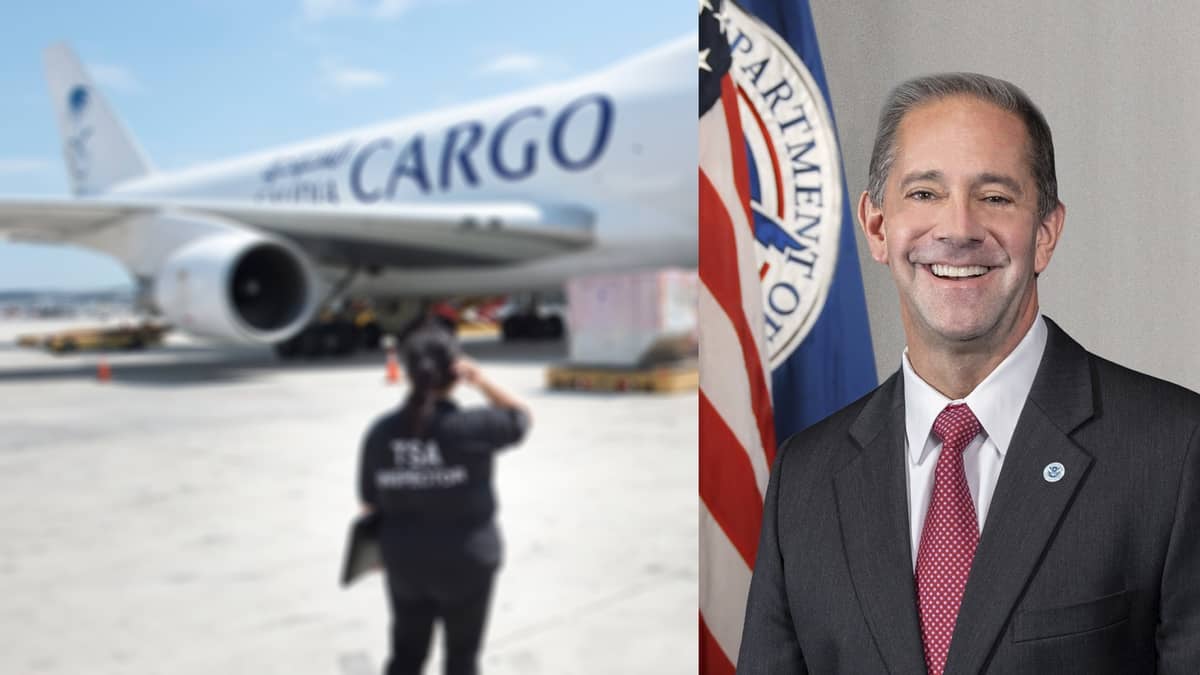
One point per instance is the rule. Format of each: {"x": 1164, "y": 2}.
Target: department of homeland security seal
{"x": 795, "y": 178}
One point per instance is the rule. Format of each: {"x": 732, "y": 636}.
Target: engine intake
{"x": 268, "y": 287}
{"x": 239, "y": 286}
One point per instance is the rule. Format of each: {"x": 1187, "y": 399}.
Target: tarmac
{"x": 189, "y": 517}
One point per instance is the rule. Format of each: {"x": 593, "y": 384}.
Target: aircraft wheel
{"x": 310, "y": 343}
{"x": 287, "y": 349}
{"x": 370, "y": 335}
{"x": 350, "y": 343}
{"x": 514, "y": 328}
{"x": 334, "y": 339}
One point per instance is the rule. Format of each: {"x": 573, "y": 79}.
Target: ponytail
{"x": 429, "y": 356}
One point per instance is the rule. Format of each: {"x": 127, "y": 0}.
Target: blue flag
{"x": 815, "y": 315}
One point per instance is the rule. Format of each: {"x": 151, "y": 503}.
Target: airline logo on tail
{"x": 77, "y": 100}
{"x": 80, "y": 133}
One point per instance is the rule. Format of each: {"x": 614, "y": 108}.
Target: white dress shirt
{"x": 996, "y": 402}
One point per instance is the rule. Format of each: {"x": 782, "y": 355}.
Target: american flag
{"x": 737, "y": 437}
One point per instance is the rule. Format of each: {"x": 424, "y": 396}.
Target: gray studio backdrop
{"x": 1119, "y": 83}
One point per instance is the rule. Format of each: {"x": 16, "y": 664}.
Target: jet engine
{"x": 239, "y": 286}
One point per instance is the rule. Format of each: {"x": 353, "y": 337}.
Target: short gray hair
{"x": 1004, "y": 95}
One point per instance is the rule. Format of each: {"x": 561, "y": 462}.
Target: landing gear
{"x": 343, "y": 327}
{"x": 336, "y": 337}
{"x": 531, "y": 319}
{"x": 531, "y": 326}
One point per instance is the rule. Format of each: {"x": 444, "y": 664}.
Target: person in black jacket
{"x": 426, "y": 468}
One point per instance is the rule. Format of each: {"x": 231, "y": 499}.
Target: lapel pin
{"x": 1054, "y": 472}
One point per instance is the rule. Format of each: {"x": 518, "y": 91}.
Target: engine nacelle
{"x": 239, "y": 286}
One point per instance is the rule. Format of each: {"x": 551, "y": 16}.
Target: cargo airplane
{"x": 517, "y": 193}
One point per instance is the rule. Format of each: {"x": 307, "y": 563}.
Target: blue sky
{"x": 200, "y": 80}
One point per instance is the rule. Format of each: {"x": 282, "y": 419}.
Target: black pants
{"x": 459, "y": 599}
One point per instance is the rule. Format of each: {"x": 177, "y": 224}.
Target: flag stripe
{"x": 740, "y": 393}
{"x": 712, "y": 660}
{"x": 727, "y": 484}
{"x": 723, "y": 160}
{"x": 718, "y": 244}
{"x": 737, "y": 434}
{"x": 741, "y": 170}
{"x": 727, "y": 578}
{"x": 728, "y": 389}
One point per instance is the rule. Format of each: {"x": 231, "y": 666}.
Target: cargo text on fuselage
{"x": 466, "y": 154}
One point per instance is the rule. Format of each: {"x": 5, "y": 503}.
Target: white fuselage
{"x": 620, "y": 143}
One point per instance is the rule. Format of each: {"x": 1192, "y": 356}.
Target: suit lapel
{"x": 872, "y": 500}
{"x": 1026, "y": 508}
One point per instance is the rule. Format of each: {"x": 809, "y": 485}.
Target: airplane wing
{"x": 428, "y": 233}
{"x": 58, "y": 220}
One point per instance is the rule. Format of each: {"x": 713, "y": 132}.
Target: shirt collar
{"x": 996, "y": 401}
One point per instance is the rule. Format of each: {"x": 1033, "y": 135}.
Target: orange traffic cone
{"x": 103, "y": 372}
{"x": 393, "y": 367}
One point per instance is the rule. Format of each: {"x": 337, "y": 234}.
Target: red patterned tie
{"x": 949, "y": 538}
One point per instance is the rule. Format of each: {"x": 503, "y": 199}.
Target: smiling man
{"x": 1007, "y": 502}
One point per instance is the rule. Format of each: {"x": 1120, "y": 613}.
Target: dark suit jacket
{"x": 1096, "y": 573}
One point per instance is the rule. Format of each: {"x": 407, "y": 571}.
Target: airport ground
{"x": 188, "y": 517}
